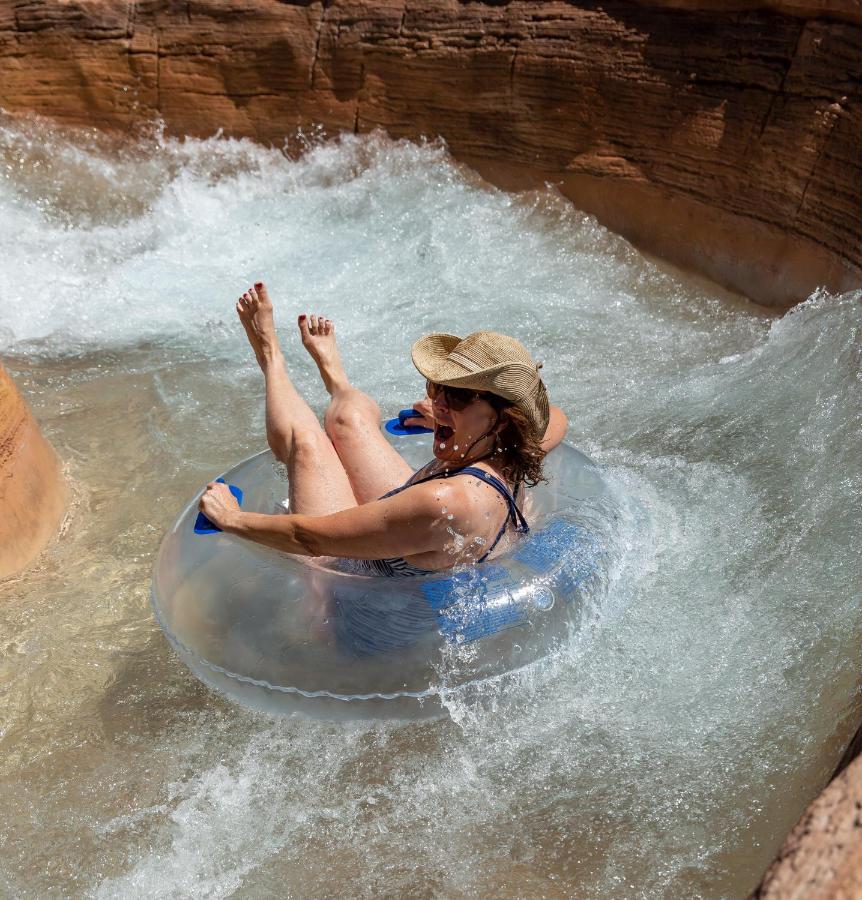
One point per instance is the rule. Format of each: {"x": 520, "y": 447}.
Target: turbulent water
{"x": 665, "y": 754}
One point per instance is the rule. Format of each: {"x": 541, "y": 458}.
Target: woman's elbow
{"x": 309, "y": 543}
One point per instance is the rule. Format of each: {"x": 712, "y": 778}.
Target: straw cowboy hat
{"x": 486, "y": 361}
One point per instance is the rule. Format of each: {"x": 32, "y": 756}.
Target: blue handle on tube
{"x": 397, "y": 426}
{"x": 202, "y": 524}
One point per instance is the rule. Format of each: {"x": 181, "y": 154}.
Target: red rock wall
{"x": 32, "y": 493}
{"x": 720, "y": 136}
{"x": 822, "y": 857}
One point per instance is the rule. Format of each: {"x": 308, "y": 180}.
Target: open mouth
{"x": 443, "y": 432}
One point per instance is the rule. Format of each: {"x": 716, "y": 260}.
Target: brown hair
{"x": 518, "y": 445}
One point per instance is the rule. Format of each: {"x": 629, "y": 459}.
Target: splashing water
{"x": 665, "y": 754}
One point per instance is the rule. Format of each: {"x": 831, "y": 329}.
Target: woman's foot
{"x": 255, "y": 312}
{"x": 318, "y": 337}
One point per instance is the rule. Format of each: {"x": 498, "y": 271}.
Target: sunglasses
{"x": 458, "y": 398}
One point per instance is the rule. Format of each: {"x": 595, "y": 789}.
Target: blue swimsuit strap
{"x": 514, "y": 514}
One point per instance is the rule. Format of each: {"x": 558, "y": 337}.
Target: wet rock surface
{"x": 822, "y": 857}
{"x": 32, "y": 494}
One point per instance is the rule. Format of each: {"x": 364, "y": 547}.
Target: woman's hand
{"x": 219, "y": 505}
{"x": 426, "y": 420}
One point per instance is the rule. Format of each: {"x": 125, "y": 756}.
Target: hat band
{"x": 464, "y": 361}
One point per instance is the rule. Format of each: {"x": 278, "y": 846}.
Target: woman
{"x": 352, "y": 495}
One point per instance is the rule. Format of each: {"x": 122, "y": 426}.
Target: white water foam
{"x": 666, "y": 753}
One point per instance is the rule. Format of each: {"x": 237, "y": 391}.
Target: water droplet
{"x": 457, "y": 540}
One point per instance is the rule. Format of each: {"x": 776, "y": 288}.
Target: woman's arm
{"x": 558, "y": 424}
{"x": 406, "y": 523}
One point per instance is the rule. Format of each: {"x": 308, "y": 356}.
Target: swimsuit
{"x": 397, "y": 566}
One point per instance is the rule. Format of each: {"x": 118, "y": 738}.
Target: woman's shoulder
{"x": 494, "y": 472}
{"x": 432, "y": 496}
{"x": 515, "y": 490}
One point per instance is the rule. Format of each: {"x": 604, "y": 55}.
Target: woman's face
{"x": 460, "y": 433}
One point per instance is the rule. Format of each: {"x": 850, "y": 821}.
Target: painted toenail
{"x": 258, "y": 285}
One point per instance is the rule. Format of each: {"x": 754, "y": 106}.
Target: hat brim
{"x": 431, "y": 356}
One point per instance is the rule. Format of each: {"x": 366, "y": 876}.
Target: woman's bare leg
{"x": 352, "y": 420}
{"x": 318, "y": 482}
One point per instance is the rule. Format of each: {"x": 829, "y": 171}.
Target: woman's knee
{"x": 300, "y": 442}
{"x": 278, "y": 443}
{"x": 351, "y": 414}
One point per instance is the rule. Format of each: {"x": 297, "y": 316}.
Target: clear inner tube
{"x": 289, "y": 634}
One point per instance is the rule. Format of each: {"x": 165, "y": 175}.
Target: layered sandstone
{"x": 32, "y": 492}
{"x": 721, "y": 134}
